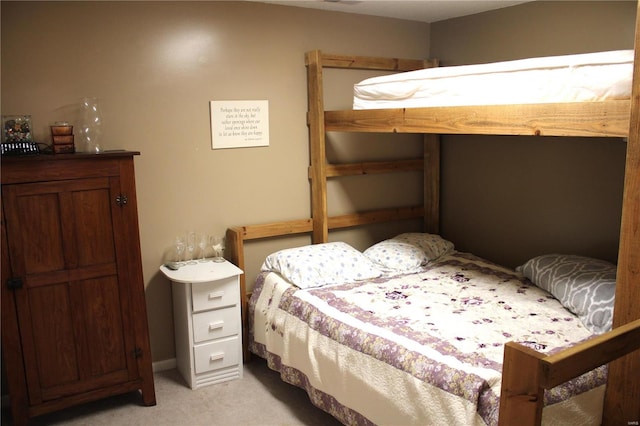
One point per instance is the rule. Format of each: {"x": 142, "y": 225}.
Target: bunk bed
{"x": 526, "y": 372}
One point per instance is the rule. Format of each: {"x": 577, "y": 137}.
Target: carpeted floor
{"x": 260, "y": 398}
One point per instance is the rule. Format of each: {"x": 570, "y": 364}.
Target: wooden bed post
{"x": 234, "y": 253}
{"x": 522, "y": 396}
{"x": 432, "y": 183}
{"x": 622, "y": 398}
{"x": 317, "y": 149}
{"x": 234, "y": 243}
{"x": 526, "y": 373}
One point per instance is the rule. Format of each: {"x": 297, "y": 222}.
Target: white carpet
{"x": 259, "y": 398}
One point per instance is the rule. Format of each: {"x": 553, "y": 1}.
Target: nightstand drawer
{"x": 215, "y": 294}
{"x": 219, "y": 354}
{"x": 215, "y": 324}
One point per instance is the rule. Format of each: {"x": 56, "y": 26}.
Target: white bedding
{"x": 418, "y": 348}
{"x": 569, "y": 78}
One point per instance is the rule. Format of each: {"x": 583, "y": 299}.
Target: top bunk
{"x": 586, "y": 95}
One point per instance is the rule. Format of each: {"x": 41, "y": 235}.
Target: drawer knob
{"x": 216, "y": 325}
{"x": 216, "y": 357}
{"x": 216, "y": 295}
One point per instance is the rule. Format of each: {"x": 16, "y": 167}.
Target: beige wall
{"x": 155, "y": 67}
{"x": 508, "y": 198}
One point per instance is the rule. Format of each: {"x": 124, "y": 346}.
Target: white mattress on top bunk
{"x": 569, "y": 78}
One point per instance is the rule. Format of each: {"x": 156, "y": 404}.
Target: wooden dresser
{"x": 74, "y": 318}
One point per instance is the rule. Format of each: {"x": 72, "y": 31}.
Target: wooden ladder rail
{"x": 320, "y": 170}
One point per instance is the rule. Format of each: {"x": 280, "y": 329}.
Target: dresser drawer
{"x": 219, "y": 354}
{"x": 215, "y": 294}
{"x": 215, "y": 324}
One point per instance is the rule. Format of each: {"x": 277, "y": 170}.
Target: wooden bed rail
{"x": 373, "y": 167}
{"x": 568, "y": 119}
{"x": 369, "y": 62}
{"x": 527, "y": 373}
{"x": 236, "y": 236}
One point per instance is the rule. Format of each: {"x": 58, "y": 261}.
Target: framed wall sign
{"x": 239, "y": 124}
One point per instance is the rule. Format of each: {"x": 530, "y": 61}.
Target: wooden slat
{"x": 577, "y": 360}
{"x": 374, "y": 63}
{"x": 375, "y": 216}
{"x": 622, "y": 398}
{"x": 568, "y": 119}
{"x": 274, "y": 229}
{"x": 373, "y": 167}
{"x": 521, "y": 397}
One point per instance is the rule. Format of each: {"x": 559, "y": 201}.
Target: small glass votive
{"x": 217, "y": 244}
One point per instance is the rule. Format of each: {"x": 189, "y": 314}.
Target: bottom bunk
{"x": 413, "y": 332}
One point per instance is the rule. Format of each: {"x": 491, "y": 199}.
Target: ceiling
{"x": 416, "y": 10}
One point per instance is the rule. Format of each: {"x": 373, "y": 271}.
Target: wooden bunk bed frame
{"x": 526, "y": 372}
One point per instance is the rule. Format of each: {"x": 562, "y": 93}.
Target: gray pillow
{"x": 584, "y": 285}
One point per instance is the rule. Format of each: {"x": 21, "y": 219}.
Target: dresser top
{"x": 50, "y": 167}
{"x": 66, "y": 157}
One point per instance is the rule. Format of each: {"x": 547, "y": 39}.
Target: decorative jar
{"x": 90, "y": 126}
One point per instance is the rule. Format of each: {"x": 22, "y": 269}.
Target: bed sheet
{"x": 568, "y": 78}
{"x": 413, "y": 348}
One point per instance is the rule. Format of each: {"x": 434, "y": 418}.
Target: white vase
{"x": 90, "y": 126}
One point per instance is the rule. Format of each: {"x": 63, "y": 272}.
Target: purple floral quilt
{"x": 422, "y": 348}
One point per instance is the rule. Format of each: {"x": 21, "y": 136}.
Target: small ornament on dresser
{"x": 217, "y": 244}
{"x": 90, "y": 125}
{"x": 17, "y": 136}
{"x": 16, "y": 128}
{"x": 62, "y": 138}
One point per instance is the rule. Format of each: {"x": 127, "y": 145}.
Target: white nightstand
{"x": 207, "y": 322}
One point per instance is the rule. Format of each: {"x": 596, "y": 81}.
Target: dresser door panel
{"x": 93, "y": 226}
{"x": 73, "y": 323}
{"x": 39, "y": 218}
{"x": 52, "y": 329}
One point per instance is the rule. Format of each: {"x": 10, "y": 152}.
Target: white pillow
{"x": 318, "y": 265}
{"x": 432, "y": 245}
{"x": 397, "y": 256}
{"x": 409, "y": 252}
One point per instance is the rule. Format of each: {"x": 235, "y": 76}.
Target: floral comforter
{"x": 423, "y": 348}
